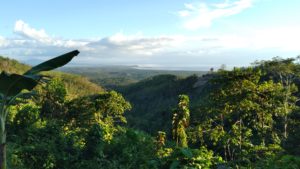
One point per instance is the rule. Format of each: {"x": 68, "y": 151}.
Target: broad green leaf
{"x": 12, "y": 84}
{"x": 53, "y": 63}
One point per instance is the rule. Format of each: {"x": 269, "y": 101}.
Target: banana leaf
{"x": 12, "y": 84}
{"x": 53, "y": 63}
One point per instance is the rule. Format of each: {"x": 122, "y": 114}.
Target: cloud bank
{"x": 30, "y": 44}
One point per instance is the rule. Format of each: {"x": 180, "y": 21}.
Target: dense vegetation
{"x": 242, "y": 118}
{"x": 155, "y": 97}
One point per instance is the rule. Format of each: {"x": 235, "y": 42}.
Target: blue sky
{"x": 161, "y": 33}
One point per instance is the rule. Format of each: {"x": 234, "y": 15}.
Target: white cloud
{"x": 30, "y": 43}
{"x": 41, "y": 38}
{"x": 284, "y": 38}
{"x": 135, "y": 44}
{"x": 3, "y": 42}
{"x": 199, "y": 15}
{"x": 116, "y": 45}
{"x": 25, "y": 30}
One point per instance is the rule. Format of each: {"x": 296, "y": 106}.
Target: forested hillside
{"x": 112, "y": 77}
{"x": 242, "y": 118}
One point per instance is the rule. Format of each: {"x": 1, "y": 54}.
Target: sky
{"x": 156, "y": 33}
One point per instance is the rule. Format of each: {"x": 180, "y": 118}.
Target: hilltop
{"x": 112, "y": 77}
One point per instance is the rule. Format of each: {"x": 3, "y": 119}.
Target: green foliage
{"x": 56, "y": 90}
{"x": 76, "y": 86}
{"x": 191, "y": 158}
{"x": 279, "y": 162}
{"x": 247, "y": 116}
{"x": 94, "y": 142}
{"x": 38, "y": 148}
{"x": 292, "y": 144}
{"x": 160, "y": 140}
{"x": 153, "y": 100}
{"x": 180, "y": 122}
{"x": 128, "y": 149}
{"x": 28, "y": 114}
{"x": 106, "y": 107}
{"x": 53, "y": 98}
{"x": 12, "y": 66}
{"x": 11, "y": 86}
{"x": 111, "y": 106}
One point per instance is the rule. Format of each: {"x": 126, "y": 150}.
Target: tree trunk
{"x": 241, "y": 143}
{"x": 3, "y": 156}
{"x": 285, "y": 126}
{"x": 2, "y": 138}
{"x": 286, "y": 106}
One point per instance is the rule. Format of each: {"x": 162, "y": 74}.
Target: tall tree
{"x": 286, "y": 72}
{"x": 160, "y": 140}
{"x": 180, "y": 122}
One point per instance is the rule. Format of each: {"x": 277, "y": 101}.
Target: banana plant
{"x": 13, "y": 86}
